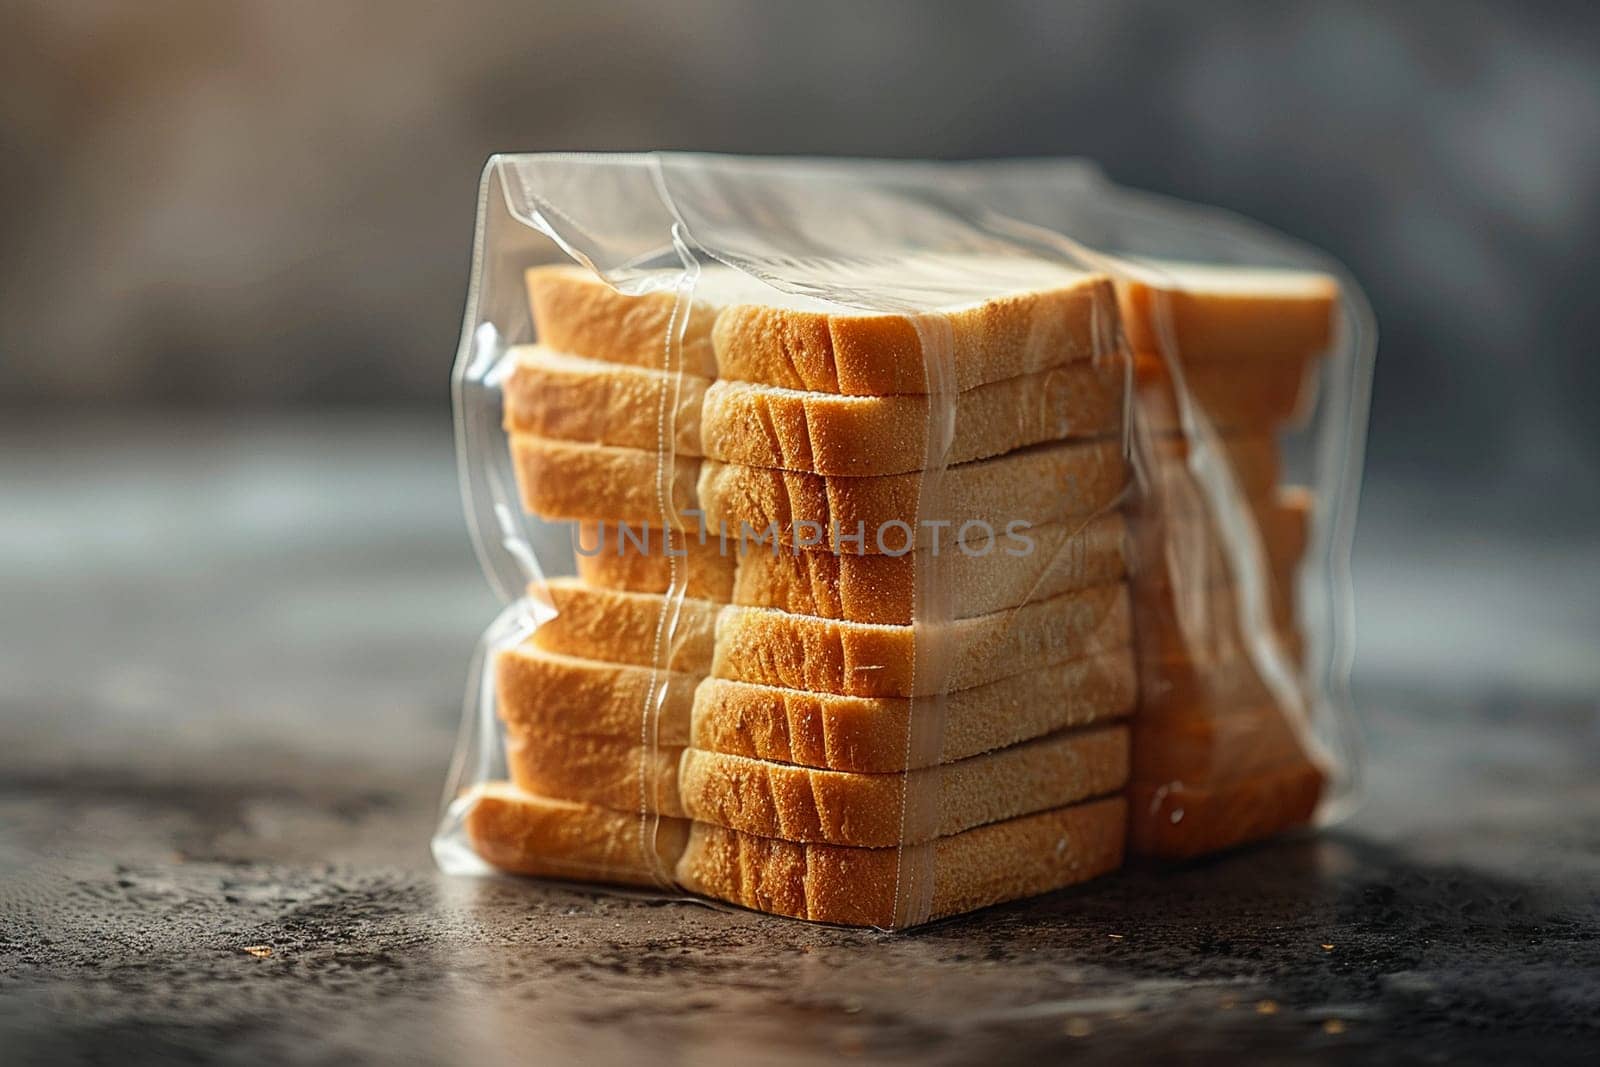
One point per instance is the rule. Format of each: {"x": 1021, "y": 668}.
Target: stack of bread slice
{"x": 1225, "y": 361}
{"x": 905, "y": 694}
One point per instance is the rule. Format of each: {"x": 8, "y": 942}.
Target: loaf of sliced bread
{"x": 893, "y": 887}
{"x": 771, "y": 647}
{"x": 881, "y": 810}
{"x": 1205, "y": 313}
{"x": 523, "y": 833}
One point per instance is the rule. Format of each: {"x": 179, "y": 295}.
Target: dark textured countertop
{"x": 229, "y": 666}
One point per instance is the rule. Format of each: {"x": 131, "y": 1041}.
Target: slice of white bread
{"x": 999, "y": 318}
{"x": 617, "y": 773}
{"x": 570, "y": 398}
{"x": 982, "y": 575}
{"x": 524, "y": 833}
{"x": 1039, "y": 485}
{"x": 573, "y": 398}
{"x": 1253, "y": 459}
{"x": 872, "y": 734}
{"x": 540, "y": 693}
{"x": 763, "y": 426}
{"x": 1189, "y": 541}
{"x": 1256, "y": 400}
{"x": 575, "y": 480}
{"x": 1174, "y": 820}
{"x": 544, "y": 694}
{"x": 574, "y": 311}
{"x": 1034, "y": 486}
{"x": 1226, "y": 314}
{"x": 1257, "y": 397}
{"x": 883, "y": 810}
{"x": 772, "y": 647}
{"x": 874, "y": 887}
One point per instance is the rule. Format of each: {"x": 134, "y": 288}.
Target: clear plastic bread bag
{"x": 882, "y": 540}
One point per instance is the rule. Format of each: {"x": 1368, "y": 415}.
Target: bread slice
{"x": 894, "y": 887}
{"x": 523, "y": 833}
{"x": 1041, "y": 316}
{"x": 540, "y": 693}
{"x": 553, "y": 394}
{"x": 570, "y": 398}
{"x": 1214, "y": 313}
{"x": 825, "y": 433}
{"x": 1034, "y": 486}
{"x": 883, "y": 810}
{"x": 637, "y": 560}
{"x": 827, "y": 655}
{"x": 1252, "y": 459}
{"x": 575, "y": 311}
{"x": 1038, "y": 485}
{"x": 574, "y": 480}
{"x": 981, "y": 575}
{"x": 1178, "y": 821}
{"x": 872, "y": 735}
{"x": 1213, "y": 746}
{"x": 1000, "y": 318}
{"x": 1189, "y": 541}
{"x": 1257, "y": 398}
{"x": 616, "y": 773}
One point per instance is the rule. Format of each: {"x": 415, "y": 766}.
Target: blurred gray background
{"x": 236, "y": 241}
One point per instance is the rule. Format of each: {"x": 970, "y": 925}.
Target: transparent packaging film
{"x": 873, "y": 535}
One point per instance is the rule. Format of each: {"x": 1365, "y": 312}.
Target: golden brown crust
{"x": 526, "y": 834}
{"x": 1227, "y": 325}
{"x": 1039, "y": 485}
{"x": 874, "y": 887}
{"x": 883, "y": 810}
{"x": 636, "y": 561}
{"x": 574, "y": 311}
{"x": 1176, "y": 821}
{"x": 638, "y": 628}
{"x": 872, "y": 734}
{"x": 616, "y": 773}
{"x": 554, "y": 395}
{"x": 825, "y": 433}
{"x": 539, "y": 692}
{"x": 569, "y": 480}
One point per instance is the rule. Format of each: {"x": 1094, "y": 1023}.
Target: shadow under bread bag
{"x": 844, "y": 513}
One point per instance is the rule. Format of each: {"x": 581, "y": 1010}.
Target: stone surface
{"x": 229, "y": 693}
